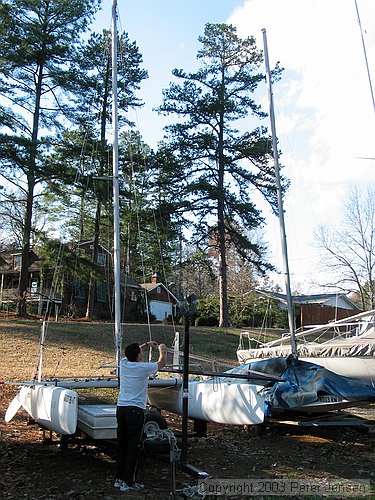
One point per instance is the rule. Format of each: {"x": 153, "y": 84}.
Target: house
{"x": 41, "y": 289}
{"x": 64, "y": 287}
{"x": 162, "y": 302}
{"x": 77, "y": 290}
{"x": 317, "y": 309}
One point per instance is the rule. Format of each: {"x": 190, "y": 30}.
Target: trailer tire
{"x": 154, "y": 421}
{"x": 152, "y": 442}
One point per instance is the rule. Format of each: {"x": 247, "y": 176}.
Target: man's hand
{"x": 152, "y": 343}
{"x": 162, "y": 356}
{"x": 162, "y": 348}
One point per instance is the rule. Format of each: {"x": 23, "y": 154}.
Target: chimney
{"x": 155, "y": 278}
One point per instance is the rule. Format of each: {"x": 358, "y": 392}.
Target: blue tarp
{"x": 305, "y": 382}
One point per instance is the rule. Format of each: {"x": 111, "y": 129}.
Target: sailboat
{"x": 346, "y": 346}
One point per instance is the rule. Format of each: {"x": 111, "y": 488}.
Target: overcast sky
{"x": 325, "y": 118}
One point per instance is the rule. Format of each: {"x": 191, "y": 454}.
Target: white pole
{"x": 116, "y": 208}
{"x": 42, "y": 340}
{"x": 280, "y": 201}
{"x": 1, "y": 289}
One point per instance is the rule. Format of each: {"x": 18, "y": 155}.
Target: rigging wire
{"x": 84, "y": 167}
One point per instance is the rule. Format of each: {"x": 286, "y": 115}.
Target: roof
{"x": 90, "y": 242}
{"x": 153, "y": 286}
{"x": 325, "y": 299}
{"x": 130, "y": 282}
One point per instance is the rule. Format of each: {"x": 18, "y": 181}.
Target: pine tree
{"x": 39, "y": 41}
{"x": 211, "y": 164}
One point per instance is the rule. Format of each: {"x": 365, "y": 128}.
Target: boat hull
{"x": 360, "y": 368}
{"x": 54, "y": 408}
{"x": 213, "y": 401}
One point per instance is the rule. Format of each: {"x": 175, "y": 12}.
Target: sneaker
{"x": 125, "y": 487}
{"x": 136, "y": 486}
{"x": 119, "y": 482}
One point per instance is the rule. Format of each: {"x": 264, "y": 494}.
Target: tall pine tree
{"x": 217, "y": 163}
{"x": 39, "y": 41}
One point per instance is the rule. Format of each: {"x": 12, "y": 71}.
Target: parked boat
{"x": 54, "y": 405}
{"x": 305, "y": 387}
{"x": 293, "y": 386}
{"x": 345, "y": 347}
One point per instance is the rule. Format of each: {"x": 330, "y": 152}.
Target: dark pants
{"x": 130, "y": 421}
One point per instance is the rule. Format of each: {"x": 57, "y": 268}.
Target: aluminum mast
{"x": 116, "y": 191}
{"x": 280, "y": 201}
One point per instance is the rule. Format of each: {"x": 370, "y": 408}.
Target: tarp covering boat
{"x": 345, "y": 347}
{"x": 308, "y": 386}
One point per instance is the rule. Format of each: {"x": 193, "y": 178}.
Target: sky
{"x": 325, "y": 119}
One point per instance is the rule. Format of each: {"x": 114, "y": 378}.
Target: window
{"x": 133, "y": 296}
{"x": 101, "y": 295}
{"x": 158, "y": 290}
{"x": 101, "y": 259}
{"x": 17, "y": 261}
{"x": 34, "y": 287}
{"x": 79, "y": 289}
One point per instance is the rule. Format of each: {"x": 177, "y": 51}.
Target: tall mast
{"x": 280, "y": 201}
{"x": 116, "y": 191}
{"x": 365, "y": 54}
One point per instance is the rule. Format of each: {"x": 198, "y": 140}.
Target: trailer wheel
{"x": 152, "y": 441}
{"x": 154, "y": 421}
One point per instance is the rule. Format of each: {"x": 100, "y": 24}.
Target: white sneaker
{"x": 125, "y": 487}
{"x": 119, "y": 483}
{"x": 136, "y": 486}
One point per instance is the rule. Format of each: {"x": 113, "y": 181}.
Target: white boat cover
{"x": 356, "y": 346}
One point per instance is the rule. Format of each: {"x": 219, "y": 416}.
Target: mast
{"x": 365, "y": 54}
{"x": 116, "y": 191}
{"x": 280, "y": 201}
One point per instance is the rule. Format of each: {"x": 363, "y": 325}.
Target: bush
{"x": 249, "y": 310}
{"x": 206, "y": 321}
{"x": 207, "y": 311}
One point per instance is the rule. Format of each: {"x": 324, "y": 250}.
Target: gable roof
{"x": 149, "y": 287}
{"x": 340, "y": 300}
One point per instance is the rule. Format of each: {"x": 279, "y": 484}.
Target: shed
{"x": 317, "y": 309}
{"x": 162, "y": 302}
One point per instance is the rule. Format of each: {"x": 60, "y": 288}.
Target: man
{"x": 131, "y": 405}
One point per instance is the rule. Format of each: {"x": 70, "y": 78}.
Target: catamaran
{"x": 346, "y": 346}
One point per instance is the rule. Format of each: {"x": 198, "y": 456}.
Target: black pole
{"x": 185, "y": 390}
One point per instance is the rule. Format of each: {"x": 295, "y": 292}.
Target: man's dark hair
{"x": 132, "y": 351}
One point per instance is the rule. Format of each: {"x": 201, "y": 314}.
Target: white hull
{"x": 360, "y": 368}
{"x": 234, "y": 404}
{"x": 54, "y": 408}
{"x": 213, "y": 401}
{"x": 357, "y": 368}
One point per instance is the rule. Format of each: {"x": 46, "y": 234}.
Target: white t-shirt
{"x": 133, "y": 382}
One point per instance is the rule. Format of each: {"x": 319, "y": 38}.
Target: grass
{"x": 87, "y": 349}
{"x": 82, "y": 348}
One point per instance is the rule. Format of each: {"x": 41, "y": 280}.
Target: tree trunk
{"x": 26, "y": 237}
{"x": 95, "y": 249}
{"x": 223, "y": 282}
{"x": 102, "y": 162}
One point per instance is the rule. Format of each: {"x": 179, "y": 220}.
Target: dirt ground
{"x": 34, "y": 470}
{"x": 31, "y": 468}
